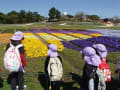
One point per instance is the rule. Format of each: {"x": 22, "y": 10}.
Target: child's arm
{"x": 22, "y": 56}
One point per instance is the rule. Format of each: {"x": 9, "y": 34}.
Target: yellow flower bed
{"x": 42, "y": 33}
{"x": 5, "y": 38}
{"x": 34, "y": 47}
{"x": 47, "y": 36}
{"x": 95, "y": 35}
{"x": 52, "y": 39}
{"x": 82, "y": 36}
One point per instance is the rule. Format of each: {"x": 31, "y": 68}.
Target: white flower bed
{"x": 48, "y": 36}
{"x": 64, "y": 36}
{"x": 108, "y": 32}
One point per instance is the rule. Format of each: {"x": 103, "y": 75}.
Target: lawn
{"x": 52, "y": 25}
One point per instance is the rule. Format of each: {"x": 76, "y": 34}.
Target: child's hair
{"x": 15, "y": 42}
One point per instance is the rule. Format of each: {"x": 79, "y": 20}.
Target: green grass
{"x": 56, "y": 25}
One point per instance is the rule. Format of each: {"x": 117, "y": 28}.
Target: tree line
{"x": 54, "y": 15}
{"x": 14, "y": 17}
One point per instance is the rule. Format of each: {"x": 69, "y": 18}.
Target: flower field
{"x": 4, "y": 38}
{"x": 72, "y": 39}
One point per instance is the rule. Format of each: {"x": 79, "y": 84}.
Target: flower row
{"x": 34, "y": 47}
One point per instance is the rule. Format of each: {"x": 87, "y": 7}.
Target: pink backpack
{"x": 106, "y": 69}
{"x": 12, "y": 58}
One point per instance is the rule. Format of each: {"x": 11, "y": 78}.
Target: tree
{"x": 93, "y": 17}
{"x": 37, "y": 17}
{"x": 69, "y": 16}
{"x": 54, "y": 14}
{"x": 116, "y": 19}
{"x": 29, "y": 16}
{"x": 106, "y": 19}
{"x": 22, "y": 16}
{"x": 12, "y": 17}
{"x": 2, "y": 18}
{"x": 66, "y": 17}
{"x": 80, "y": 16}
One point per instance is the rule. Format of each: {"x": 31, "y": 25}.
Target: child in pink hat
{"x": 18, "y": 77}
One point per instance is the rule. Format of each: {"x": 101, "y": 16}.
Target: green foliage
{"x": 80, "y": 16}
{"x": 14, "y": 17}
{"x": 2, "y": 17}
{"x": 54, "y": 14}
{"x": 93, "y": 17}
{"x": 106, "y": 19}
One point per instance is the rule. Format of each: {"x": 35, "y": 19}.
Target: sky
{"x": 102, "y": 8}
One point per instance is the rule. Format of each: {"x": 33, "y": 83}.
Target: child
{"x": 102, "y": 52}
{"x": 92, "y": 61}
{"x": 54, "y": 67}
{"x": 18, "y": 76}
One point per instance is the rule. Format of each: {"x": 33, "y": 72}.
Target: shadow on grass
{"x": 9, "y": 79}
{"x": 43, "y": 80}
{"x": 65, "y": 85}
{"x": 1, "y": 82}
{"x": 113, "y": 85}
{"x": 75, "y": 78}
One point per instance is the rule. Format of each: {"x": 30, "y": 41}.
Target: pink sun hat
{"x": 18, "y": 36}
{"x": 52, "y": 50}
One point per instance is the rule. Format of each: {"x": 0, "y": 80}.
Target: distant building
{"x": 108, "y": 23}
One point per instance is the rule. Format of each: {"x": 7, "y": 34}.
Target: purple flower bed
{"x": 37, "y": 30}
{"x": 87, "y": 32}
{"x": 84, "y": 43}
{"x": 67, "y": 45}
{"x": 65, "y": 31}
{"x": 116, "y": 39}
{"x": 81, "y": 43}
{"x": 112, "y": 43}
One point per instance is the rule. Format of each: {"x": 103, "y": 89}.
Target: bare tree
{"x": 116, "y": 19}
{"x": 80, "y": 16}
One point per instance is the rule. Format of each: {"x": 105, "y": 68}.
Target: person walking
{"x": 15, "y": 51}
{"x": 92, "y": 61}
{"x": 53, "y": 67}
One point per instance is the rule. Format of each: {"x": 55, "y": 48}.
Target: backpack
{"x": 106, "y": 70}
{"x": 55, "y": 69}
{"x": 12, "y": 58}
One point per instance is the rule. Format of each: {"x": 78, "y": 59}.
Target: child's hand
{"x": 24, "y": 71}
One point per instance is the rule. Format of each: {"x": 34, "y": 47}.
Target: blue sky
{"x": 102, "y": 8}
